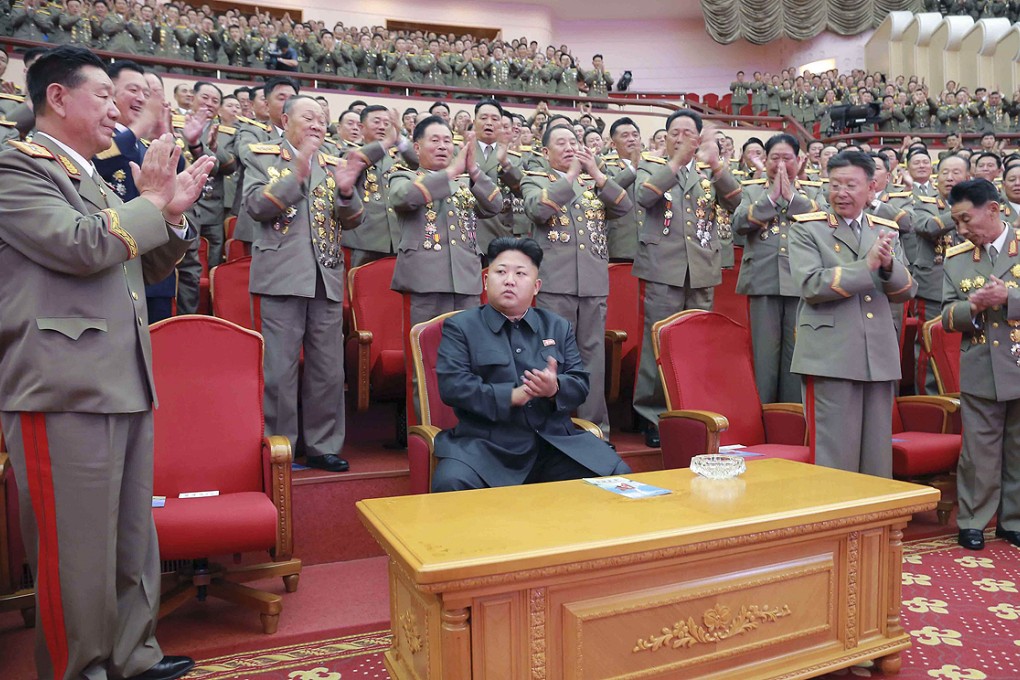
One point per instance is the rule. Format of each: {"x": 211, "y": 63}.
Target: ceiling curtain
{"x": 762, "y": 21}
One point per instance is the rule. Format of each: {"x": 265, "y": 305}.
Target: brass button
{"x": 995, "y": 324}
{"x": 782, "y": 236}
{"x": 581, "y": 246}
{"x": 453, "y": 227}
{"x": 134, "y": 295}
{"x": 996, "y": 308}
{"x": 140, "y": 321}
{"x": 995, "y": 343}
{"x": 688, "y": 238}
{"x": 453, "y": 241}
{"x": 580, "y": 232}
{"x": 689, "y": 210}
{"x": 782, "y": 250}
{"x": 580, "y": 219}
{"x": 867, "y": 298}
{"x": 450, "y": 213}
{"x": 390, "y": 209}
{"x": 870, "y": 315}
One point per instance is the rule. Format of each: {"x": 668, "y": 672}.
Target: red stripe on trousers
{"x": 405, "y": 324}
{"x": 809, "y": 413}
{"x": 39, "y": 472}
{"x": 921, "y": 372}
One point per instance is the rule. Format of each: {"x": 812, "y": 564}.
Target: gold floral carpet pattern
{"x": 961, "y": 608}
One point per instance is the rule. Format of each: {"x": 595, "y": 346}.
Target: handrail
{"x": 897, "y": 137}
{"x": 317, "y": 80}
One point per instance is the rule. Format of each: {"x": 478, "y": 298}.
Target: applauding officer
{"x": 76, "y": 390}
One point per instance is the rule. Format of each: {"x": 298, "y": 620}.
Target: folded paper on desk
{"x": 627, "y": 487}
{"x": 739, "y": 450}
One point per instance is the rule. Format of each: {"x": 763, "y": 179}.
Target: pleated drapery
{"x": 762, "y": 21}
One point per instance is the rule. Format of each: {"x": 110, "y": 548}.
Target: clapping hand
{"x": 881, "y": 253}
{"x": 542, "y": 383}
{"x": 347, "y": 173}
{"x": 993, "y": 293}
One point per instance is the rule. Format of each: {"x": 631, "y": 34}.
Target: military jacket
{"x": 437, "y": 217}
{"x": 249, "y": 132}
{"x": 990, "y": 351}
{"x": 935, "y": 233}
{"x": 570, "y": 220}
{"x": 380, "y": 230}
{"x": 679, "y": 241}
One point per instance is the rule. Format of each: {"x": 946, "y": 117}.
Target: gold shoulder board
{"x": 12, "y": 97}
{"x": 329, "y": 160}
{"x": 653, "y": 159}
{"x": 535, "y": 173}
{"x": 265, "y": 148}
{"x": 961, "y": 248}
{"x": 513, "y": 153}
{"x": 397, "y": 167}
{"x": 811, "y": 216}
{"x": 926, "y": 199}
{"x": 702, "y": 166}
{"x": 525, "y": 148}
{"x": 112, "y": 152}
{"x": 748, "y": 182}
{"x": 29, "y": 149}
{"x": 810, "y": 183}
{"x": 884, "y": 222}
{"x": 227, "y": 129}
{"x": 7, "y": 123}
{"x": 900, "y": 194}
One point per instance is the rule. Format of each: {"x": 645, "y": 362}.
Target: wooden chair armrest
{"x": 421, "y": 479}
{"x": 715, "y": 422}
{"x": 364, "y": 367}
{"x": 4, "y": 462}
{"x": 688, "y": 433}
{"x": 785, "y": 423}
{"x": 784, "y": 407}
{"x": 916, "y": 413}
{"x": 276, "y": 451}
{"x": 588, "y": 426}
{"x": 945, "y": 402}
{"x": 614, "y": 359}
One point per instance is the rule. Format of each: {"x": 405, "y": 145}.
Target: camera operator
{"x": 283, "y": 57}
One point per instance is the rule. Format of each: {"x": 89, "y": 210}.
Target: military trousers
{"x": 85, "y": 495}
{"x": 661, "y": 301}
{"x": 773, "y": 336}
{"x": 850, "y": 423}
{"x": 988, "y": 474}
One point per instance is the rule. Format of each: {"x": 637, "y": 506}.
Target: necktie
{"x": 993, "y": 253}
{"x": 856, "y": 226}
{"x": 683, "y": 176}
{"x": 485, "y": 151}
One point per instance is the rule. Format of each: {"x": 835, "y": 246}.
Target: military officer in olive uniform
{"x": 679, "y": 255}
{"x": 622, "y": 231}
{"x": 301, "y": 199}
{"x": 765, "y": 217}
{"x": 437, "y": 208}
{"x": 569, "y": 210}
{"x": 503, "y": 167}
{"x": 740, "y": 89}
{"x": 847, "y": 271}
{"x": 981, "y": 299}
{"x": 598, "y": 79}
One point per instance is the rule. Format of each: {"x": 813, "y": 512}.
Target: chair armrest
{"x": 785, "y": 424}
{"x": 927, "y": 413}
{"x": 588, "y": 426}
{"x": 6, "y": 582}
{"x": 4, "y": 462}
{"x": 688, "y": 433}
{"x": 614, "y": 358}
{"x": 277, "y": 458}
{"x": 421, "y": 461}
{"x": 360, "y": 343}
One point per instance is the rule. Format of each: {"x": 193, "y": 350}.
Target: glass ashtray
{"x": 718, "y": 466}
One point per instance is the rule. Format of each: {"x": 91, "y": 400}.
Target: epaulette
{"x": 611, "y": 157}
{"x": 330, "y": 160}
{"x": 810, "y": 183}
{"x": 960, "y": 248}
{"x": 535, "y": 173}
{"x": 525, "y": 149}
{"x": 265, "y": 148}
{"x": 7, "y": 123}
{"x": 397, "y": 167}
{"x": 513, "y": 153}
{"x": 12, "y": 97}
{"x": 900, "y": 194}
{"x": 927, "y": 199}
{"x": 30, "y": 149}
{"x": 748, "y": 182}
{"x": 654, "y": 159}
{"x": 884, "y": 222}
{"x": 255, "y": 123}
{"x": 458, "y": 138}
{"x": 177, "y": 120}
{"x": 112, "y": 152}
{"x": 226, "y": 129}
{"x": 823, "y": 180}
{"x": 702, "y": 166}
{"x": 811, "y": 216}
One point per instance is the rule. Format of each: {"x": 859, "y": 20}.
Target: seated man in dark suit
{"x": 513, "y": 375}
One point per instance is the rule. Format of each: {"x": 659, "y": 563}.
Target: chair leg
{"x": 290, "y": 582}
{"x": 944, "y": 509}
{"x": 176, "y": 597}
{"x": 270, "y": 622}
{"x": 268, "y": 605}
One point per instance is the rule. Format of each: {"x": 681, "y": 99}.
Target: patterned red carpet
{"x": 961, "y": 608}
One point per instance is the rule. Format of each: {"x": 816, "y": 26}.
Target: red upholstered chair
{"x": 203, "y": 280}
{"x": 375, "y": 349}
{"x": 711, "y": 100}
{"x": 926, "y": 444}
{"x": 725, "y": 101}
{"x": 15, "y": 588}
{"x": 624, "y": 327}
{"x": 704, "y": 361}
{"x": 235, "y": 250}
{"x": 435, "y": 415}
{"x": 228, "y": 227}
{"x": 210, "y": 436}
{"x": 228, "y": 284}
{"x": 910, "y": 326}
{"x": 944, "y": 350}
{"x": 728, "y": 301}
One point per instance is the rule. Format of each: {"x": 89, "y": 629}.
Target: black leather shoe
{"x": 972, "y": 539}
{"x": 328, "y": 462}
{"x": 1007, "y": 535}
{"x": 652, "y": 437}
{"x": 168, "y": 668}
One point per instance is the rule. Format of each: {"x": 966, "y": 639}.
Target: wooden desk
{"x": 789, "y": 571}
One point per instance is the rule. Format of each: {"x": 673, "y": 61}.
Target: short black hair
{"x": 205, "y": 83}
{"x": 988, "y": 134}
{"x": 551, "y": 121}
{"x": 280, "y": 81}
{"x": 424, "y": 123}
{"x": 61, "y": 65}
{"x": 619, "y": 123}
{"x": 588, "y": 131}
{"x": 340, "y": 119}
{"x": 243, "y": 89}
{"x": 685, "y": 113}
{"x": 880, "y": 158}
{"x": 409, "y": 110}
{"x": 750, "y": 141}
{"x": 33, "y": 53}
{"x": 437, "y": 105}
{"x": 371, "y": 109}
{"x": 948, "y": 156}
{"x": 116, "y": 68}
{"x": 783, "y": 138}
{"x": 913, "y": 151}
{"x": 597, "y": 56}
{"x": 547, "y": 135}
{"x": 855, "y": 158}
{"x": 528, "y": 246}
{"x": 289, "y": 104}
{"x": 978, "y": 191}
{"x": 357, "y": 102}
{"x": 989, "y": 154}
{"x": 488, "y": 102}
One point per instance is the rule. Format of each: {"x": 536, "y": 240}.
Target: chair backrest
{"x": 234, "y": 250}
{"x": 944, "y": 350}
{"x": 710, "y": 100}
{"x": 623, "y": 313}
{"x": 228, "y": 227}
{"x": 425, "y": 338}
{"x": 209, "y": 426}
{"x": 375, "y": 307}
{"x": 705, "y": 364}
{"x": 228, "y": 284}
{"x": 728, "y": 301}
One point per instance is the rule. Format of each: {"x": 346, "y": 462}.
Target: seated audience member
{"x": 513, "y": 375}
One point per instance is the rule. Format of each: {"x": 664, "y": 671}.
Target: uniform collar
{"x": 496, "y": 319}
{"x": 85, "y": 165}
{"x": 1000, "y": 242}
